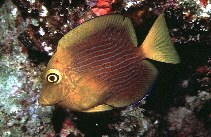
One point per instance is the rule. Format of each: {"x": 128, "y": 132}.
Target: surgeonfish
{"x": 99, "y": 66}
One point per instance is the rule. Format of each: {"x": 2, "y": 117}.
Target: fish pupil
{"x": 52, "y": 78}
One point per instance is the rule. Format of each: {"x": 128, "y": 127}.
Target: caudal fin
{"x": 157, "y": 45}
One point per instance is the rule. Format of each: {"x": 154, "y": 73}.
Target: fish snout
{"x": 43, "y": 102}
{"x": 47, "y": 99}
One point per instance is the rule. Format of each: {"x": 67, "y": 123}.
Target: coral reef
{"x": 182, "y": 122}
{"x": 19, "y": 82}
{"x": 179, "y": 104}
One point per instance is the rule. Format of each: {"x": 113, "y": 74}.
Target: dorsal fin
{"x": 158, "y": 45}
{"x": 95, "y": 25}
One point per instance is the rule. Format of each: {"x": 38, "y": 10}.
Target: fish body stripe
{"x": 111, "y": 60}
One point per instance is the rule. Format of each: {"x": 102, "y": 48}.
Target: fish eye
{"x": 53, "y": 76}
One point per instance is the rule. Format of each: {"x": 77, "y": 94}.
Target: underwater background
{"x": 179, "y": 105}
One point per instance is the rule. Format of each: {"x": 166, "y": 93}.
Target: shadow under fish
{"x": 98, "y": 66}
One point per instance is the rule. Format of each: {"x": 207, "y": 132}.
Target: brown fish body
{"x": 101, "y": 67}
{"x": 110, "y": 68}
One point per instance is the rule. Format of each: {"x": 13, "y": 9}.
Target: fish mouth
{"x": 43, "y": 102}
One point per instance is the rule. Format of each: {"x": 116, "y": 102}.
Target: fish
{"x": 99, "y": 66}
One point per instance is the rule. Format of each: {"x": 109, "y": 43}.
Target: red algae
{"x": 102, "y": 7}
{"x": 204, "y": 2}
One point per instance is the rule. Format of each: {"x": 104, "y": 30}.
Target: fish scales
{"x": 98, "y": 66}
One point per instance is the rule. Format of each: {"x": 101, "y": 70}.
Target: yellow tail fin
{"x": 157, "y": 45}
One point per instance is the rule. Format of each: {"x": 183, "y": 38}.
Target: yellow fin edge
{"x": 158, "y": 45}
{"x": 99, "y": 108}
{"x": 92, "y": 26}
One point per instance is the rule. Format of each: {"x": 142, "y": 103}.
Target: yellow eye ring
{"x": 53, "y": 76}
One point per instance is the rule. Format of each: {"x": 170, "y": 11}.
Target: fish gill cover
{"x": 179, "y": 102}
